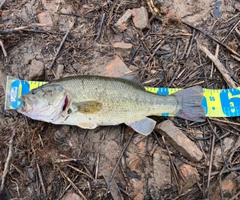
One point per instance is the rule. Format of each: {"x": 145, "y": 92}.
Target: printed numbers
{"x": 212, "y": 98}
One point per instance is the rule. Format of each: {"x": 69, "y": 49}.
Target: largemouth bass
{"x": 91, "y": 101}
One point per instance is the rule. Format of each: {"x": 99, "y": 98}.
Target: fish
{"x": 89, "y": 101}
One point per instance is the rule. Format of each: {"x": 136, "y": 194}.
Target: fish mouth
{"x": 24, "y": 108}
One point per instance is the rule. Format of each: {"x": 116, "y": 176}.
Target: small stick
{"x": 225, "y": 121}
{"x": 211, "y": 161}
{"x": 2, "y": 3}
{"x": 61, "y": 44}
{"x": 96, "y": 174}
{"x": 219, "y": 65}
{"x": 235, "y": 196}
{"x": 73, "y": 185}
{"x": 80, "y": 171}
{"x": 3, "y": 81}
{"x": 25, "y": 28}
{"x": 235, "y": 26}
{"x": 3, "y": 49}
{"x": 156, "y": 49}
{"x": 100, "y": 27}
{"x": 41, "y": 180}
{"x": 7, "y": 163}
{"x": 191, "y": 43}
{"x": 118, "y": 161}
{"x": 236, "y": 58}
{"x": 213, "y": 38}
{"x": 67, "y": 160}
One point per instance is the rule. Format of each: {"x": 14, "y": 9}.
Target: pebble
{"x": 116, "y": 68}
{"x": 179, "y": 141}
{"x": 121, "y": 23}
{"x": 122, "y": 45}
{"x": 140, "y": 17}
{"x": 229, "y": 186}
{"x": 71, "y": 196}
{"x": 218, "y": 162}
{"x": 46, "y": 19}
{"x": 123, "y": 49}
{"x": 36, "y": 70}
{"x": 191, "y": 176}
{"x": 59, "y": 71}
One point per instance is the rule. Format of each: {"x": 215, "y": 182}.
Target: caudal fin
{"x": 190, "y": 104}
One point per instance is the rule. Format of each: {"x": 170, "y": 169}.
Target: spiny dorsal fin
{"x": 133, "y": 78}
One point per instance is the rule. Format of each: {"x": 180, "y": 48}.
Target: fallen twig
{"x": 61, "y": 44}
{"x": 2, "y": 4}
{"x": 213, "y": 38}
{"x": 210, "y": 162}
{"x": 80, "y": 171}
{"x": 219, "y": 65}
{"x": 3, "y": 49}
{"x": 225, "y": 121}
{"x": 100, "y": 27}
{"x": 7, "y": 163}
{"x": 118, "y": 161}
{"x": 73, "y": 185}
{"x": 235, "y": 26}
{"x": 3, "y": 80}
{"x": 41, "y": 181}
{"x": 25, "y": 28}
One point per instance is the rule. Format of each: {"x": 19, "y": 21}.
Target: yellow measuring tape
{"x": 217, "y": 103}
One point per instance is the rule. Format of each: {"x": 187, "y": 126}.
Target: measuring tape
{"x": 216, "y": 103}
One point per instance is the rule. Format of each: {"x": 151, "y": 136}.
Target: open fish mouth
{"x": 48, "y": 113}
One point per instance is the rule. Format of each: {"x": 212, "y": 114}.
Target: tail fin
{"x": 190, "y": 104}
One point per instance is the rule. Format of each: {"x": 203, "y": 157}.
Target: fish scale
{"x": 115, "y": 93}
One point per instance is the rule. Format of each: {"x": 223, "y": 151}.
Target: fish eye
{"x": 34, "y": 91}
{"x": 69, "y": 111}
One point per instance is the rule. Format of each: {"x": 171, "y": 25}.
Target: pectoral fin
{"x": 89, "y": 107}
{"x": 87, "y": 125}
{"x": 144, "y": 126}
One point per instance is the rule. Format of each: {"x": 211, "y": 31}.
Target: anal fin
{"x": 144, "y": 126}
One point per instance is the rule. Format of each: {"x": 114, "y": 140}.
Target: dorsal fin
{"x": 133, "y": 78}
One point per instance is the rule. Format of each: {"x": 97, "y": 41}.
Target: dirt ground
{"x": 66, "y": 162}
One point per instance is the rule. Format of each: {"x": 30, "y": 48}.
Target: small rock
{"x": 190, "y": 174}
{"x": 36, "y": 70}
{"x": 46, "y": 19}
{"x": 237, "y": 6}
{"x": 116, "y": 68}
{"x": 123, "y": 26}
{"x": 59, "y": 71}
{"x": 179, "y": 141}
{"x": 122, "y": 49}
{"x": 138, "y": 192}
{"x": 229, "y": 187}
{"x": 122, "y": 45}
{"x": 121, "y": 23}
{"x": 161, "y": 177}
{"x": 218, "y": 162}
{"x": 140, "y": 17}
{"x": 71, "y": 196}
